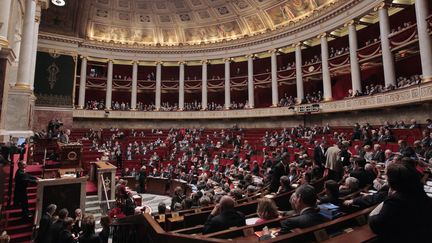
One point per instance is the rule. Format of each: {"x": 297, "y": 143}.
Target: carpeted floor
{"x": 153, "y": 200}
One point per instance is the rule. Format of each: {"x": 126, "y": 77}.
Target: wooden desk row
{"x": 149, "y": 230}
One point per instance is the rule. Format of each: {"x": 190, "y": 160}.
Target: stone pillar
{"x": 227, "y": 84}
{"x": 158, "y": 85}
{"x": 299, "y": 72}
{"x": 354, "y": 63}
{"x": 83, "y": 80}
{"x": 108, "y": 99}
{"x": 134, "y": 85}
{"x": 274, "y": 81}
{"x": 251, "y": 95}
{"x": 204, "y": 101}
{"x": 26, "y": 49}
{"x": 327, "y": 94}
{"x": 421, "y": 8}
{"x": 387, "y": 55}
{"x": 35, "y": 41}
{"x": 181, "y": 87}
{"x": 5, "y": 9}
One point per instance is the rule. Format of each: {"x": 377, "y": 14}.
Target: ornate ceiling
{"x": 176, "y": 22}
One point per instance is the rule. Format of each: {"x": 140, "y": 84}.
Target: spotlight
{"x": 59, "y": 3}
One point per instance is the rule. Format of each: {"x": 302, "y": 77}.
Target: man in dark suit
{"x": 66, "y": 235}
{"x": 58, "y": 226}
{"x": 278, "y": 171}
{"x": 363, "y": 176}
{"x": 319, "y": 153}
{"x": 223, "y": 216}
{"x": 303, "y": 202}
{"x": 45, "y": 224}
{"x": 405, "y": 215}
{"x": 20, "y": 194}
{"x": 378, "y": 154}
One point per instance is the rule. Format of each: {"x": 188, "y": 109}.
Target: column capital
{"x": 135, "y": 62}
{"x": 83, "y": 57}
{"x": 250, "y": 56}
{"x": 205, "y": 62}
{"x": 181, "y": 63}
{"x": 158, "y": 63}
{"x": 349, "y": 23}
{"x": 381, "y": 5}
{"x": 273, "y": 51}
{"x": 322, "y": 35}
{"x": 298, "y": 44}
{"x": 227, "y": 59}
{"x": 110, "y": 61}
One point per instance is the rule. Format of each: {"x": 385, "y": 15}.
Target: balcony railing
{"x": 408, "y": 95}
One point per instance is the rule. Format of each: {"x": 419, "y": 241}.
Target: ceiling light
{"x": 59, "y": 3}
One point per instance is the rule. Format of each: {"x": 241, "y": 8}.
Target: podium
{"x": 69, "y": 154}
{"x": 157, "y": 185}
{"x": 104, "y": 174}
{"x": 66, "y": 192}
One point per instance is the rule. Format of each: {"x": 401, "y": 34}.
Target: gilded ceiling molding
{"x": 275, "y": 36}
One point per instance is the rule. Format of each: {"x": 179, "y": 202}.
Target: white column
{"x": 421, "y": 8}
{"x": 108, "y": 99}
{"x": 5, "y": 8}
{"x": 387, "y": 55}
{"x": 158, "y": 85}
{"x": 251, "y": 98}
{"x": 26, "y": 49}
{"x": 327, "y": 94}
{"x": 274, "y": 81}
{"x": 83, "y": 80}
{"x": 35, "y": 42}
{"x": 299, "y": 73}
{"x": 181, "y": 87}
{"x": 134, "y": 85}
{"x": 227, "y": 84}
{"x": 204, "y": 86}
{"x": 354, "y": 63}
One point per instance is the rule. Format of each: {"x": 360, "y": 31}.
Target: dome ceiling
{"x": 176, "y": 22}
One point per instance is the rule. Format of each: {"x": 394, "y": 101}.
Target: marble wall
{"x": 42, "y": 116}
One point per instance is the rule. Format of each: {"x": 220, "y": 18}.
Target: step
{"x": 92, "y": 209}
{"x": 21, "y": 236}
{"x": 17, "y": 229}
{"x": 92, "y": 198}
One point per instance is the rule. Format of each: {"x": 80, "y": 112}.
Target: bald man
{"x": 223, "y": 216}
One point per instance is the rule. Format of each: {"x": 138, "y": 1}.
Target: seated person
{"x": 285, "y": 185}
{"x": 405, "y": 215}
{"x": 303, "y": 201}
{"x": 351, "y": 185}
{"x": 177, "y": 197}
{"x": 223, "y": 216}
{"x": 266, "y": 210}
{"x": 331, "y": 189}
{"x": 365, "y": 177}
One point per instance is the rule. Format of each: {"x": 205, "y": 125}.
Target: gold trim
{"x": 23, "y": 86}
{"x": 426, "y": 79}
{"x": 4, "y": 42}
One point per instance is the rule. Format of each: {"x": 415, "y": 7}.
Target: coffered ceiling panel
{"x": 176, "y": 22}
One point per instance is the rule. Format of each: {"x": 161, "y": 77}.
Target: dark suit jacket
{"x": 223, "y": 221}
{"x": 319, "y": 156}
{"x": 55, "y": 230}
{"x": 378, "y": 156}
{"x": 364, "y": 177}
{"x": 21, "y": 182}
{"x": 89, "y": 238}
{"x": 308, "y": 218}
{"x": 44, "y": 225}
{"x": 104, "y": 235}
{"x": 404, "y": 218}
{"x": 370, "y": 200}
{"x": 65, "y": 236}
{"x": 277, "y": 172}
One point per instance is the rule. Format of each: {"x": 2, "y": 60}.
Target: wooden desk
{"x": 359, "y": 234}
{"x": 175, "y": 183}
{"x": 131, "y": 182}
{"x": 157, "y": 185}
